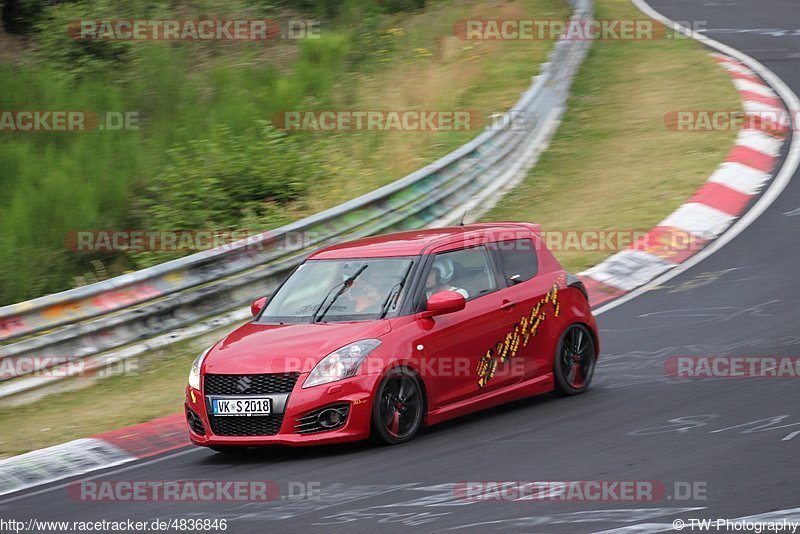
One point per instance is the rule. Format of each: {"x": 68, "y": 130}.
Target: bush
{"x": 226, "y": 182}
{"x": 225, "y": 170}
{"x": 20, "y": 16}
{"x": 54, "y": 182}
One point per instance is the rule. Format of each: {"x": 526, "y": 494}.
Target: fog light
{"x": 329, "y": 418}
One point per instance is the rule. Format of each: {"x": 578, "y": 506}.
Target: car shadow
{"x": 283, "y": 453}
{"x": 489, "y": 414}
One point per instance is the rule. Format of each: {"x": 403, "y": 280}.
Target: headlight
{"x": 341, "y": 363}
{"x": 194, "y": 372}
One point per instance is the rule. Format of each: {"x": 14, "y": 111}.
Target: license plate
{"x": 245, "y": 406}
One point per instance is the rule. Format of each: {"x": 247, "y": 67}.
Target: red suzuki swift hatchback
{"x": 377, "y": 337}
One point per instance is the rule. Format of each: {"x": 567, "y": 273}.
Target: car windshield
{"x": 340, "y": 290}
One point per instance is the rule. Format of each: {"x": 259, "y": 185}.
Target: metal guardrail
{"x": 85, "y": 322}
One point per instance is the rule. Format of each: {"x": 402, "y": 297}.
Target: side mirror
{"x": 444, "y": 302}
{"x": 257, "y": 306}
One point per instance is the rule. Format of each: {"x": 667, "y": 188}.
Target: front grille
{"x": 271, "y": 384}
{"x": 266, "y": 425}
{"x": 195, "y": 423}
{"x": 309, "y": 423}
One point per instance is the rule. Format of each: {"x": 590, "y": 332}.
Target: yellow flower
{"x": 422, "y": 52}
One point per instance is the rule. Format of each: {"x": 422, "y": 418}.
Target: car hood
{"x": 266, "y": 348}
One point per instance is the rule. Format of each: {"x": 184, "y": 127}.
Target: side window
{"x": 518, "y": 259}
{"x": 467, "y": 271}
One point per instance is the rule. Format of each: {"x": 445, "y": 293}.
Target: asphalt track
{"x": 741, "y": 301}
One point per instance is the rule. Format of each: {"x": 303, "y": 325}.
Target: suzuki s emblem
{"x": 243, "y": 384}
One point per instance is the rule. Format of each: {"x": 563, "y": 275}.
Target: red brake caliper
{"x": 394, "y": 428}
{"x": 577, "y": 380}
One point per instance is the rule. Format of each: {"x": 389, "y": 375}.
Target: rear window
{"x": 518, "y": 259}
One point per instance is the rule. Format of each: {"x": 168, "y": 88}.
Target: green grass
{"x": 55, "y": 183}
{"x": 425, "y": 67}
{"x": 613, "y": 165}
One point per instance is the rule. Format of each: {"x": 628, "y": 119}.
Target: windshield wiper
{"x": 399, "y": 285}
{"x": 343, "y": 286}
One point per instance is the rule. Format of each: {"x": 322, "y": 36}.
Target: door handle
{"x": 507, "y": 304}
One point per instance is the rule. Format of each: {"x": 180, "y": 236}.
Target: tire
{"x": 574, "y": 362}
{"x": 398, "y": 408}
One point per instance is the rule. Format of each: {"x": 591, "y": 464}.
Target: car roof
{"x": 415, "y": 242}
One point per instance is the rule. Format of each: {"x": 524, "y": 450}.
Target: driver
{"x": 439, "y": 278}
{"x": 366, "y": 295}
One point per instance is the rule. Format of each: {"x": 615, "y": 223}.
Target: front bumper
{"x": 356, "y": 391}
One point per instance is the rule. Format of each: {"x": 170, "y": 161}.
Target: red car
{"x": 377, "y": 337}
